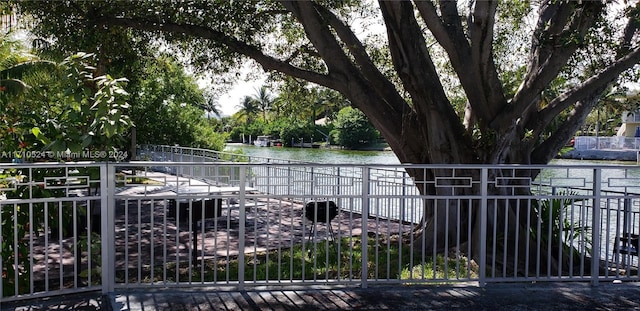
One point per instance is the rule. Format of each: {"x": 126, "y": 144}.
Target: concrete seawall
{"x": 593, "y": 154}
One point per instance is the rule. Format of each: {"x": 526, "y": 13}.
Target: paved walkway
{"x": 553, "y": 296}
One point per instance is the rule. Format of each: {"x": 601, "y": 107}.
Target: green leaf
{"x": 38, "y": 134}
{"x": 57, "y": 145}
{"x": 109, "y": 129}
{"x": 87, "y": 139}
{"x": 74, "y": 147}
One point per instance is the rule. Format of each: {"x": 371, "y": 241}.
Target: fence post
{"x": 338, "y": 186}
{"x": 365, "y": 225}
{"x": 289, "y": 181}
{"x": 311, "y": 186}
{"x": 484, "y": 192}
{"x": 241, "y": 229}
{"x": 107, "y": 207}
{"x": 595, "y": 224}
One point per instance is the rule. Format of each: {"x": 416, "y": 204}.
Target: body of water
{"x": 330, "y": 156}
{"x": 339, "y": 156}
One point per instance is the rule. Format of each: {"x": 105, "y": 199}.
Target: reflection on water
{"x": 336, "y": 156}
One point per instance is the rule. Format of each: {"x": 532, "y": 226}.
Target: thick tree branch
{"x": 389, "y": 113}
{"x": 595, "y": 82}
{"x": 552, "y": 19}
{"x": 449, "y": 33}
{"x": 410, "y": 56}
{"x": 472, "y": 61}
{"x": 587, "y": 93}
{"x": 481, "y": 22}
{"x": 369, "y": 70}
{"x": 627, "y": 58}
{"x": 585, "y": 97}
{"x": 318, "y": 32}
{"x": 419, "y": 77}
{"x": 630, "y": 30}
{"x": 267, "y": 62}
{"x": 551, "y": 54}
{"x": 547, "y": 150}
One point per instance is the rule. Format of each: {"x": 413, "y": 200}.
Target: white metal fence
{"x": 47, "y": 214}
{"x": 606, "y": 143}
{"x": 229, "y": 224}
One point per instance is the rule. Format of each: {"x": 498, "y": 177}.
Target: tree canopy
{"x": 49, "y": 106}
{"x": 503, "y": 58}
{"x": 353, "y": 129}
{"x": 169, "y": 107}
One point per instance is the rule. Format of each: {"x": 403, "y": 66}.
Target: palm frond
{"x": 13, "y": 86}
{"x": 18, "y": 71}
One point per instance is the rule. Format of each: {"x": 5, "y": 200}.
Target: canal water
{"x": 340, "y": 156}
{"x": 317, "y": 155}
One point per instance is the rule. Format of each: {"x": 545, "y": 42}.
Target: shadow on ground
{"x": 575, "y": 296}
{"x": 77, "y": 302}
{"x": 493, "y": 297}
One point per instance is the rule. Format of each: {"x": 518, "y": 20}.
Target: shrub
{"x": 353, "y": 129}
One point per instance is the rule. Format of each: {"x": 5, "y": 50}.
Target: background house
{"x": 630, "y": 124}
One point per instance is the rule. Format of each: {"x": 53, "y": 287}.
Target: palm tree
{"x": 614, "y": 102}
{"x": 15, "y": 63}
{"x": 211, "y": 106}
{"x": 277, "y": 106}
{"x": 332, "y": 102}
{"x": 248, "y": 108}
{"x": 264, "y": 100}
{"x": 19, "y": 71}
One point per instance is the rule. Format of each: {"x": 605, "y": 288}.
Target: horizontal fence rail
{"x": 213, "y": 222}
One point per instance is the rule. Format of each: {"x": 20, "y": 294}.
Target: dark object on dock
{"x": 321, "y": 211}
{"x": 212, "y": 209}
{"x": 628, "y": 244}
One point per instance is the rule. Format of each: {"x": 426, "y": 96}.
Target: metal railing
{"x": 109, "y": 226}
{"x": 166, "y": 153}
{"x": 606, "y": 143}
{"x": 48, "y": 212}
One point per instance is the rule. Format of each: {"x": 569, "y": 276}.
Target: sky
{"x": 229, "y": 101}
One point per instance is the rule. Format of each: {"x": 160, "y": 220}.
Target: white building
{"x": 630, "y": 124}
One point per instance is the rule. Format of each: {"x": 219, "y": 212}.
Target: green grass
{"x": 339, "y": 260}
